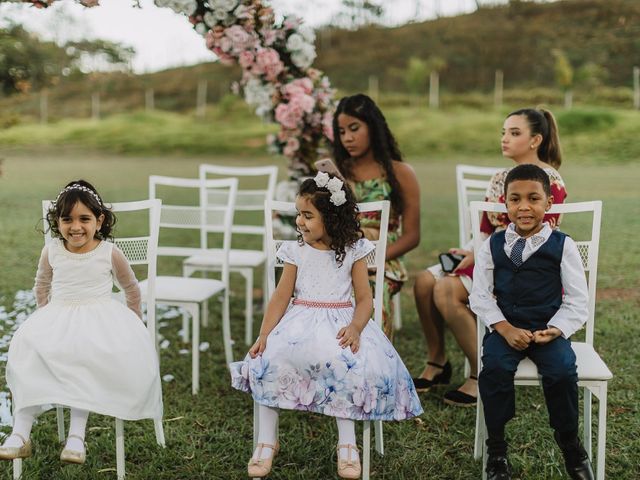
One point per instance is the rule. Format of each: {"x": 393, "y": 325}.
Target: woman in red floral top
{"x": 528, "y": 136}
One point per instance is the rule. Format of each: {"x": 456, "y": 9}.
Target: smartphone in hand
{"x": 326, "y": 165}
{"x": 449, "y": 261}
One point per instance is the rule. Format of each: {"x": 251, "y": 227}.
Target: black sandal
{"x": 442, "y": 378}
{"x": 461, "y": 399}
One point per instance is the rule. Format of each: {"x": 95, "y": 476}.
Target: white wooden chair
{"x": 471, "y": 185}
{"x": 593, "y": 374}
{"x": 139, "y": 250}
{"x": 375, "y": 260}
{"x": 192, "y": 294}
{"x": 241, "y": 260}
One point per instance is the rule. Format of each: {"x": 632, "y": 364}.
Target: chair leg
{"x": 397, "y": 312}
{"x": 478, "y": 447}
{"x": 17, "y": 469}
{"x": 602, "y": 431}
{"x": 159, "y": 429}
{"x": 205, "y": 313}
{"x": 185, "y": 326}
{"x": 195, "y": 348}
{"x": 226, "y": 328}
{"x": 120, "y": 448}
{"x": 60, "y": 420}
{"x": 248, "y": 305}
{"x": 587, "y": 415}
{"x": 377, "y": 426}
{"x": 366, "y": 449}
{"x": 256, "y": 423}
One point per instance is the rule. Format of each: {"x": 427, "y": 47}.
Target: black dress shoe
{"x": 498, "y": 468}
{"x": 442, "y": 378}
{"x": 576, "y": 459}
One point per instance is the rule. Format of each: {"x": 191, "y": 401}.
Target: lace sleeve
{"x": 362, "y": 248}
{"x": 44, "y": 275}
{"x": 126, "y": 280}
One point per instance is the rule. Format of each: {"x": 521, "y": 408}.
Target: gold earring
{"x": 532, "y": 147}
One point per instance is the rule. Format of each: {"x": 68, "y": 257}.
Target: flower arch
{"x": 277, "y": 77}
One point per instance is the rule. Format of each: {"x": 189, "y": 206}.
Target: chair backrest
{"x": 587, "y": 239}
{"x": 247, "y": 200}
{"x": 471, "y": 184}
{"x": 213, "y": 212}
{"x": 375, "y": 260}
{"x": 139, "y": 250}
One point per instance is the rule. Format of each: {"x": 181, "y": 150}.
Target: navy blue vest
{"x": 528, "y": 295}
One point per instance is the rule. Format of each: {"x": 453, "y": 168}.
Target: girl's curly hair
{"x": 340, "y": 222}
{"x": 86, "y": 194}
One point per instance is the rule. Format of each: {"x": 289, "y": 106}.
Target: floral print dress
{"x": 395, "y": 272}
{"x": 304, "y": 368}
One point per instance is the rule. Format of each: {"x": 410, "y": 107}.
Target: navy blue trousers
{"x": 556, "y": 363}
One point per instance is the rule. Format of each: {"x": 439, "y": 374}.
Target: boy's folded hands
{"x": 517, "y": 338}
{"x": 545, "y": 336}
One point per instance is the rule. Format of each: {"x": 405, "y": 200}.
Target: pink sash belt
{"x": 314, "y": 304}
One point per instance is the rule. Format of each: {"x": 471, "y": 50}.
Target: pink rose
{"x": 289, "y": 115}
{"x": 268, "y": 62}
{"x": 327, "y": 125}
{"x": 292, "y": 146}
{"x": 303, "y": 102}
{"x": 246, "y": 59}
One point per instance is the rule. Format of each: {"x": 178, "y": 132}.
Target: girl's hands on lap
{"x": 258, "y": 347}
{"x": 349, "y": 336}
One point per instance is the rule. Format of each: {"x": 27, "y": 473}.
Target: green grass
{"x": 209, "y": 435}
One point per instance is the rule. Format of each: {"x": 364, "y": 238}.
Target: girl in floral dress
{"x": 369, "y": 158}
{"x": 319, "y": 352}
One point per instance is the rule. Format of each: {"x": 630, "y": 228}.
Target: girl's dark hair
{"x": 80, "y": 191}
{"x": 542, "y": 122}
{"x": 383, "y": 144}
{"x": 340, "y": 222}
{"x": 528, "y": 171}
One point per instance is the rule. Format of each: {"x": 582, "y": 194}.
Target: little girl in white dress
{"x": 81, "y": 348}
{"x": 319, "y": 353}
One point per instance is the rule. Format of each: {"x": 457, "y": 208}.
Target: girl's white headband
{"x": 82, "y": 188}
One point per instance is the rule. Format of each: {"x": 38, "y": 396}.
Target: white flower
{"x": 304, "y": 57}
{"x": 322, "y": 179}
{"x": 202, "y": 29}
{"x": 334, "y": 185}
{"x": 307, "y": 33}
{"x": 295, "y": 42}
{"x": 184, "y": 6}
{"x": 219, "y": 14}
{"x": 259, "y": 95}
{"x": 225, "y": 5}
{"x": 338, "y": 198}
{"x": 210, "y": 19}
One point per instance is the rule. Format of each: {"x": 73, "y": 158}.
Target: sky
{"x": 164, "y": 39}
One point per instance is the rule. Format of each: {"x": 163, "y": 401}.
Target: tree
{"x": 356, "y": 13}
{"x": 564, "y": 75}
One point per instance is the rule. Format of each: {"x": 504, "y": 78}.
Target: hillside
{"x": 516, "y": 38}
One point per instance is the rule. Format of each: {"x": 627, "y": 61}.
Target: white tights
{"x": 269, "y": 420}
{"x": 23, "y": 422}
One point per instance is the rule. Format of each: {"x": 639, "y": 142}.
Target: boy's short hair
{"x": 528, "y": 172}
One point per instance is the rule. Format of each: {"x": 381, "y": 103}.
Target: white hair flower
{"x": 334, "y": 185}
{"x": 322, "y": 179}
{"x": 338, "y": 198}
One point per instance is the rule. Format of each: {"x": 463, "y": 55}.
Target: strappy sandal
{"x": 23, "y": 451}
{"x": 74, "y": 456}
{"x": 442, "y": 378}
{"x": 260, "y": 467}
{"x": 461, "y": 399}
{"x": 349, "y": 468}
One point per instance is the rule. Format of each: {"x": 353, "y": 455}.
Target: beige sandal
{"x": 73, "y": 456}
{"x": 349, "y": 468}
{"x": 11, "y": 453}
{"x": 260, "y": 467}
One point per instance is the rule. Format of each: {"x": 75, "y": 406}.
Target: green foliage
{"x": 580, "y": 120}
{"x": 416, "y": 75}
{"x": 563, "y": 69}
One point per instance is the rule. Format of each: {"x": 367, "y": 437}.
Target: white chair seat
{"x": 590, "y": 365}
{"x": 237, "y": 258}
{"x": 183, "y": 289}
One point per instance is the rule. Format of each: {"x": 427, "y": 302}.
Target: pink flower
{"x": 299, "y": 86}
{"x": 239, "y": 38}
{"x": 303, "y": 102}
{"x": 327, "y": 125}
{"x": 246, "y": 59}
{"x": 289, "y": 115}
{"x": 292, "y": 146}
{"x": 268, "y": 62}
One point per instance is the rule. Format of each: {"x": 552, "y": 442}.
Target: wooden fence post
{"x": 636, "y": 88}
{"x": 434, "y": 90}
{"x": 201, "y": 99}
{"x": 498, "y": 89}
{"x": 149, "y": 100}
{"x": 44, "y": 105}
{"x": 95, "y": 106}
{"x": 374, "y": 87}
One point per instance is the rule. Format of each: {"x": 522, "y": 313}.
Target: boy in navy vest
{"x": 529, "y": 288}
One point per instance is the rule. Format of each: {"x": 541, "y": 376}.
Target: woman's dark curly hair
{"x": 383, "y": 143}
{"x": 340, "y": 222}
{"x": 85, "y": 193}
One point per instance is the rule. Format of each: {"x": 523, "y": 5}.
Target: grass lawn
{"x": 209, "y": 435}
